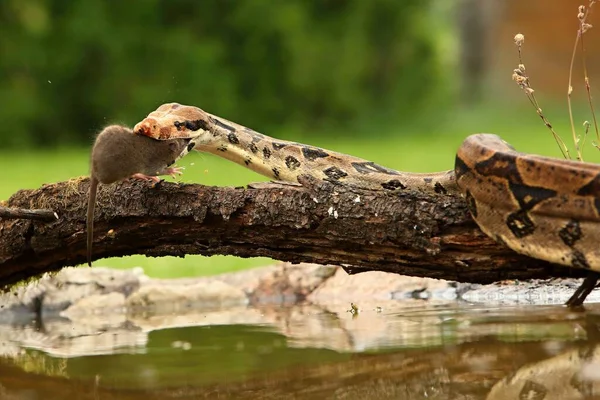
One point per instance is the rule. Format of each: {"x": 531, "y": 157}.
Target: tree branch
{"x": 20, "y": 213}
{"x": 408, "y": 233}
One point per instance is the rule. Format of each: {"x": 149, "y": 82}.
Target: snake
{"x": 541, "y": 207}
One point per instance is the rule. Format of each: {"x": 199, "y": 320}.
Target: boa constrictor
{"x": 538, "y": 206}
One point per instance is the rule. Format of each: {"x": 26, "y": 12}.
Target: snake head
{"x": 173, "y": 121}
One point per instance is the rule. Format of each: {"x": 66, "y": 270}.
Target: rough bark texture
{"x": 408, "y": 233}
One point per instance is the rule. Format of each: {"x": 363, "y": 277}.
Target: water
{"x": 387, "y": 350}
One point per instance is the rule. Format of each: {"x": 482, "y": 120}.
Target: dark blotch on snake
{"x": 335, "y": 173}
{"x": 592, "y": 188}
{"x": 439, "y": 188}
{"x": 191, "y": 125}
{"x": 570, "y": 233}
{"x": 529, "y": 196}
{"x": 520, "y": 224}
{"x": 394, "y": 184}
{"x": 253, "y": 148}
{"x": 312, "y": 153}
{"x": 460, "y": 168}
{"x": 533, "y": 390}
{"x": 223, "y": 125}
{"x": 292, "y": 163}
{"x": 370, "y": 167}
{"x": 267, "y": 153}
{"x": 500, "y": 164}
{"x": 233, "y": 139}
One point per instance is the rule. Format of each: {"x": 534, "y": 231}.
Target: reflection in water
{"x": 392, "y": 350}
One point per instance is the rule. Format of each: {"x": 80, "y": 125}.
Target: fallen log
{"x": 410, "y": 233}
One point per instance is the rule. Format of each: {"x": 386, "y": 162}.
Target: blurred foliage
{"x": 70, "y": 67}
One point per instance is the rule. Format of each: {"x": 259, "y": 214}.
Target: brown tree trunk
{"x": 408, "y": 233}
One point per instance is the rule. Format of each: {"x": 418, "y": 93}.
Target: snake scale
{"x": 542, "y": 207}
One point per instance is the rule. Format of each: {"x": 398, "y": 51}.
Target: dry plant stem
{"x": 586, "y": 131}
{"x": 21, "y": 213}
{"x": 520, "y": 76}
{"x": 583, "y": 27}
{"x": 569, "y": 106}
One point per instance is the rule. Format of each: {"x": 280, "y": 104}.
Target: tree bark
{"x": 409, "y": 233}
{"x": 20, "y": 213}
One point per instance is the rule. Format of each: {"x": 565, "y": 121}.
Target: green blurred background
{"x": 397, "y": 82}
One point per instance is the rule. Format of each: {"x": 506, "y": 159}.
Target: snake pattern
{"x": 279, "y": 159}
{"x": 542, "y": 207}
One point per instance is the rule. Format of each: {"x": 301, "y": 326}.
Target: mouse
{"x": 119, "y": 154}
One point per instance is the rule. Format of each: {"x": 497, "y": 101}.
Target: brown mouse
{"x": 119, "y": 154}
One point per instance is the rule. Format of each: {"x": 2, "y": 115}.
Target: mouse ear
{"x": 173, "y": 146}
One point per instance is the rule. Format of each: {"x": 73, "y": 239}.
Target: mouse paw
{"x": 144, "y": 177}
{"x": 174, "y": 171}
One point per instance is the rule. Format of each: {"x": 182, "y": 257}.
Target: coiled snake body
{"x": 538, "y": 206}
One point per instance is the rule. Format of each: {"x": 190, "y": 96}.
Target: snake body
{"x": 538, "y": 206}
{"x": 279, "y": 159}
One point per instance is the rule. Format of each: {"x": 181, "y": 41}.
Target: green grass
{"x": 425, "y": 147}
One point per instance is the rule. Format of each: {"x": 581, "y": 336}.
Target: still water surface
{"x": 395, "y": 350}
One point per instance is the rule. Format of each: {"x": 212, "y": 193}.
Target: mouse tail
{"x": 90, "y": 217}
